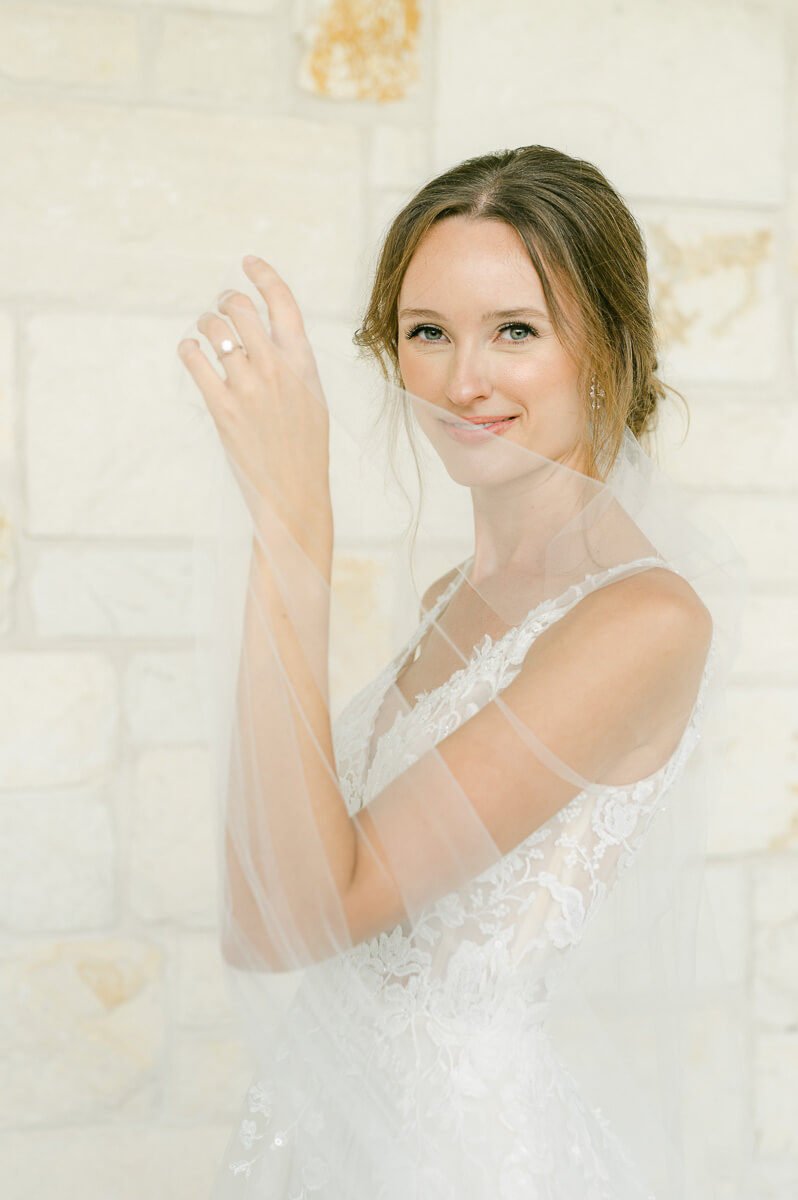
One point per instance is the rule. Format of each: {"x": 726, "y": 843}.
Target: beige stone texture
{"x": 398, "y": 156}
{"x": 60, "y": 720}
{"x": 769, "y": 648}
{"x": 161, "y": 700}
{"x": 8, "y": 400}
{"x": 758, "y": 808}
{"x": 118, "y": 438}
{"x": 157, "y": 205}
{"x": 713, "y": 276}
{"x": 776, "y": 944}
{"x": 219, "y": 58}
{"x": 761, "y": 525}
{"x": 112, "y": 592}
{"x": 126, "y": 1162}
{"x": 173, "y": 875}
{"x": 208, "y": 1077}
{"x": 776, "y": 1066}
{"x": 68, "y": 44}
{"x": 59, "y": 861}
{"x": 775, "y": 1178}
{"x": 731, "y": 443}
{"x": 202, "y": 994}
{"x": 660, "y": 96}
{"x": 360, "y": 623}
{"x": 82, "y": 1032}
{"x": 356, "y": 50}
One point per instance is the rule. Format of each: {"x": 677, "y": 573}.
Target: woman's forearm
{"x": 285, "y": 807}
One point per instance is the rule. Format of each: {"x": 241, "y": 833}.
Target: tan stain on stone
{"x": 789, "y": 838}
{"x": 685, "y": 262}
{"x": 111, "y": 972}
{"x": 109, "y": 983}
{"x": 362, "y": 50}
{"x": 355, "y": 584}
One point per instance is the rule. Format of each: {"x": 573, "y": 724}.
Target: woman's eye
{"x": 523, "y": 329}
{"x": 426, "y": 329}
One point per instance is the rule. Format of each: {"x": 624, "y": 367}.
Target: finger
{"x": 245, "y": 317}
{"x": 201, "y": 371}
{"x": 284, "y": 315}
{"x": 228, "y": 348}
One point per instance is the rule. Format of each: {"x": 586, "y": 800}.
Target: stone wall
{"x": 140, "y": 141}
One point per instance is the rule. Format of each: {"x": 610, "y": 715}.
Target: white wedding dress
{"x": 453, "y": 1019}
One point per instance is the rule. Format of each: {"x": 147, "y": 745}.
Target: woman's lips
{"x": 477, "y": 433}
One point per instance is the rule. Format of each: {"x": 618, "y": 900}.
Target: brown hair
{"x": 587, "y": 250}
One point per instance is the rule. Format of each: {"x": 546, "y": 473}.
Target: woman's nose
{"x": 467, "y": 380}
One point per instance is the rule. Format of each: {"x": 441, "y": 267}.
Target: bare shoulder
{"x": 656, "y": 595}
{"x": 648, "y": 633}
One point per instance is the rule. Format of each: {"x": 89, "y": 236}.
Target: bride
{"x": 480, "y": 877}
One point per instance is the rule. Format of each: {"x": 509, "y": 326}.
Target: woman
{"x": 482, "y": 1008}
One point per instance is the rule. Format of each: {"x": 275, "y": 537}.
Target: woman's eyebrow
{"x": 496, "y": 315}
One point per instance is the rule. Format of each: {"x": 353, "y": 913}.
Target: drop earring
{"x": 596, "y": 393}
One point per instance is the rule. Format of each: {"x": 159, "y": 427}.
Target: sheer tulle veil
{"x": 402, "y": 1049}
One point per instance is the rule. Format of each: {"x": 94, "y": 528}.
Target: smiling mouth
{"x": 474, "y": 423}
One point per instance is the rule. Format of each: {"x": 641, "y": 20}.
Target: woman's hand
{"x": 269, "y": 409}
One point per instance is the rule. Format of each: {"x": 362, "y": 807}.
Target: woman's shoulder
{"x": 655, "y": 609}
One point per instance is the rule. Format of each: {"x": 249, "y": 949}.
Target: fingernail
{"x": 249, "y": 259}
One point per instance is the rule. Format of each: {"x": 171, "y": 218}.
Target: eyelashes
{"x": 416, "y": 329}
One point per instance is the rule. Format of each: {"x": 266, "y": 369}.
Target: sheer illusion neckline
{"x": 487, "y": 646}
{"x": 487, "y": 642}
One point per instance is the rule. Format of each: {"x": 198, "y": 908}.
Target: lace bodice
{"x": 443, "y": 1007}
{"x": 567, "y": 866}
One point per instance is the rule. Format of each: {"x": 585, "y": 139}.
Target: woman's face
{"x": 475, "y": 341}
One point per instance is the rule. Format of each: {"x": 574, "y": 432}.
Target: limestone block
{"x": 173, "y": 874}
{"x": 123, "y": 1162}
{"x": 736, "y": 444}
{"x": 385, "y": 205}
{"x": 255, "y": 7}
{"x": 714, "y": 292}
{"x": 82, "y": 1028}
{"x": 758, "y": 807}
{"x": 775, "y": 1179}
{"x": 761, "y": 526}
{"x": 113, "y": 592}
{"x": 776, "y": 942}
{"x": 769, "y": 647}
{"x": 222, "y": 58}
{"x": 208, "y": 1077}
{"x": 59, "y": 860}
{"x": 355, "y": 50}
{"x": 660, "y": 97}
{"x": 202, "y": 996}
{"x": 156, "y": 205}
{"x": 776, "y": 1062}
{"x": 161, "y": 698}
{"x": 59, "y": 716}
{"x": 121, "y": 442}
{"x": 7, "y": 399}
{"x": 398, "y": 155}
{"x": 67, "y": 45}
{"x": 9, "y": 570}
